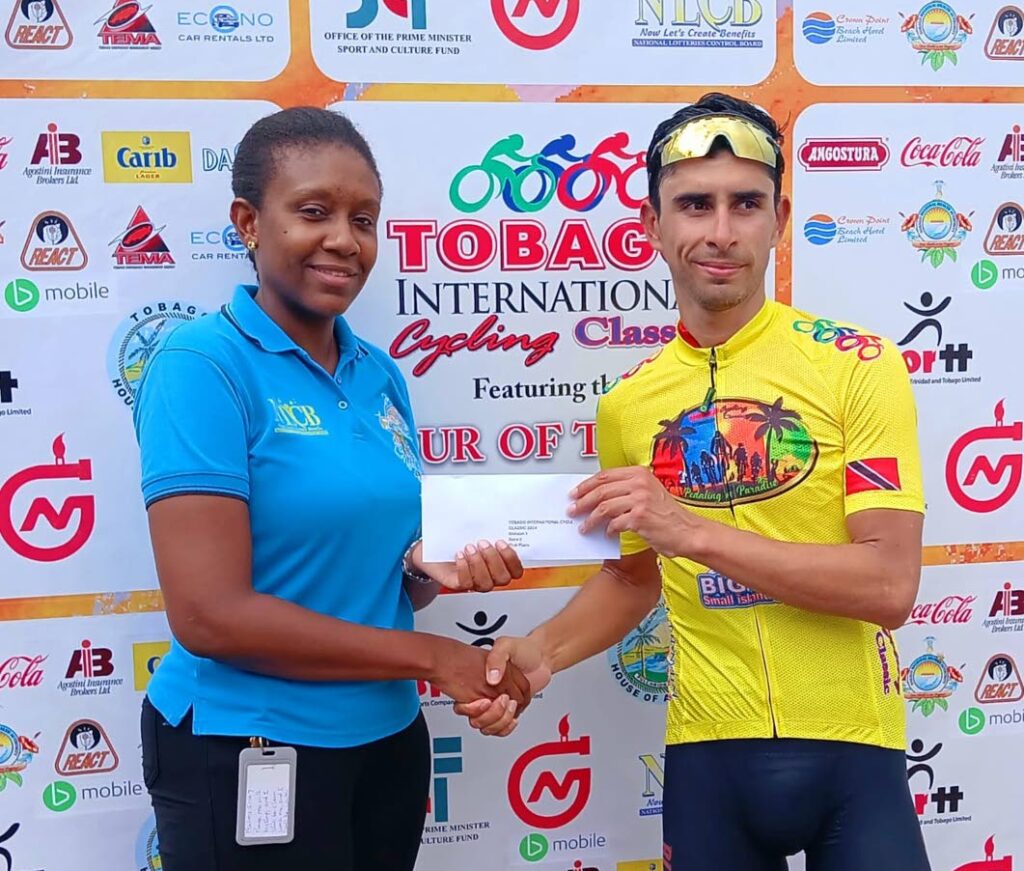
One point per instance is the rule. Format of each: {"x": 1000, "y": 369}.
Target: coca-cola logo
{"x": 21, "y": 671}
{"x": 960, "y": 151}
{"x": 950, "y": 610}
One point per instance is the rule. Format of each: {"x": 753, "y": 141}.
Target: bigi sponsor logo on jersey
{"x": 126, "y": 25}
{"x": 131, "y": 157}
{"x": 38, "y": 24}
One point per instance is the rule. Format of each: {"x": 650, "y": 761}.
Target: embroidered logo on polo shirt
{"x": 391, "y": 420}
{"x": 293, "y": 418}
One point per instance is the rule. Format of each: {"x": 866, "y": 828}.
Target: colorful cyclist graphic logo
{"x": 845, "y": 338}
{"x": 527, "y": 183}
{"x": 735, "y": 451}
{"x": 937, "y": 229}
{"x": 937, "y": 33}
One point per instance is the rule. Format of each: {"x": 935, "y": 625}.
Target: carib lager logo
{"x": 131, "y": 157}
{"x": 529, "y": 182}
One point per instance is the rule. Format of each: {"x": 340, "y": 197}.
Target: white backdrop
{"x": 512, "y": 285}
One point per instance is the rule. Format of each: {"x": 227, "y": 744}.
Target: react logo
{"x": 53, "y": 245}
{"x": 571, "y": 791}
{"x": 38, "y": 24}
{"x": 41, "y": 508}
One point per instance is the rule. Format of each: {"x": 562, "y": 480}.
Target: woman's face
{"x": 316, "y": 229}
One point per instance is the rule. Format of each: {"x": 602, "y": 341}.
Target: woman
{"x": 281, "y": 477}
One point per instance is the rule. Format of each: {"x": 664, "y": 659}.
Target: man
{"x": 783, "y": 574}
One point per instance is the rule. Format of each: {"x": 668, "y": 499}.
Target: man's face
{"x": 717, "y": 226}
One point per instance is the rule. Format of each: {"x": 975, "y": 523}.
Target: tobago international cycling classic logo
{"x": 529, "y": 182}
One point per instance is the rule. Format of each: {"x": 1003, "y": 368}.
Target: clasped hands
{"x": 627, "y": 499}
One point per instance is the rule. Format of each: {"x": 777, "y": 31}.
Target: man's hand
{"x": 462, "y": 674}
{"x": 480, "y": 567}
{"x": 630, "y": 499}
{"x": 509, "y": 655}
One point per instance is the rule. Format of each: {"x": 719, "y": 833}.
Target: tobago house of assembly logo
{"x": 137, "y": 339}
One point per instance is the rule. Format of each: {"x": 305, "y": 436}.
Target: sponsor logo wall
{"x": 513, "y": 287}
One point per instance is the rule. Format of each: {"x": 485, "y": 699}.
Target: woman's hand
{"x": 480, "y": 567}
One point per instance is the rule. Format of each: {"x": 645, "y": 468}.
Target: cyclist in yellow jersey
{"x": 762, "y": 470}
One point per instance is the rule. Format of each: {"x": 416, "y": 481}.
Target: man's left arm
{"x": 873, "y": 578}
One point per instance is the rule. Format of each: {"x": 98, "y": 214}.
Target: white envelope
{"x": 527, "y": 511}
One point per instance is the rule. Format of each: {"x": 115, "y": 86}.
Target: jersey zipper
{"x": 709, "y": 398}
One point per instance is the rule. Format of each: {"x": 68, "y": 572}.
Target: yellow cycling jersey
{"x": 784, "y": 430}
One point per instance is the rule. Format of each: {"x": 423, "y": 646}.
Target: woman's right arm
{"x": 203, "y": 550}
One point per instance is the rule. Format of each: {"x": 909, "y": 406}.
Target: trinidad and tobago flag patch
{"x": 880, "y": 473}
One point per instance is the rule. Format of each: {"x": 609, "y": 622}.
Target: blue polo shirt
{"x": 329, "y": 467}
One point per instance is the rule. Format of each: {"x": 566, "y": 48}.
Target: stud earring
{"x": 251, "y": 245}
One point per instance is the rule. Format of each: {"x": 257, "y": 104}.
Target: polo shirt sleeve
{"x": 882, "y": 456}
{"x": 191, "y": 427}
{"x": 611, "y": 454}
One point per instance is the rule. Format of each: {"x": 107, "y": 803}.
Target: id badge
{"x": 266, "y": 796}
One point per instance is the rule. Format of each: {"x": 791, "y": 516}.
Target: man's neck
{"x": 711, "y": 328}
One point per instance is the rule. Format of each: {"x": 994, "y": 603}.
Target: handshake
{"x": 493, "y": 687}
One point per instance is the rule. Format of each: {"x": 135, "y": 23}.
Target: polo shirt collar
{"x": 260, "y": 328}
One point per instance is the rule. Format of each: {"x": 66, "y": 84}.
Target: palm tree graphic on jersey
{"x": 732, "y": 451}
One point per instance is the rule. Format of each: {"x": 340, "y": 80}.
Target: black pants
{"x": 744, "y": 805}
{"x": 356, "y": 809}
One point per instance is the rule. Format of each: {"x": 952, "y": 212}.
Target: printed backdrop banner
{"x": 513, "y": 286}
